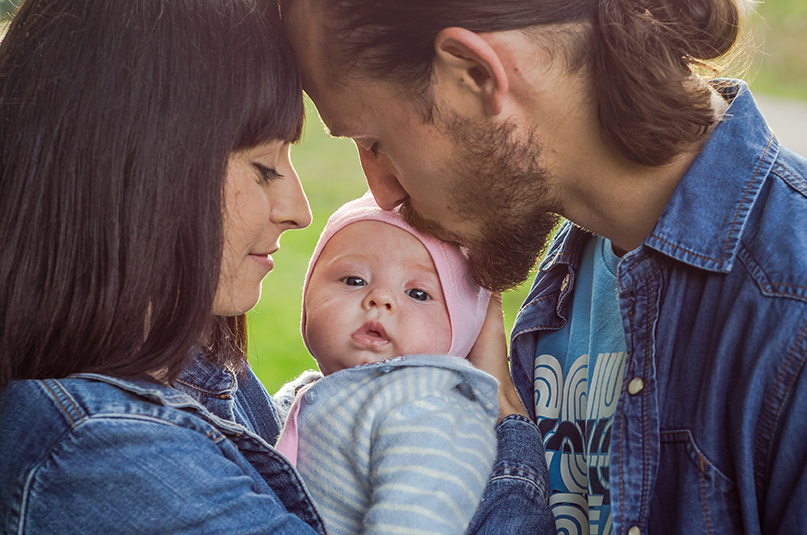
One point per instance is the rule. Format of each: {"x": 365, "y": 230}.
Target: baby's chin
{"x": 361, "y": 358}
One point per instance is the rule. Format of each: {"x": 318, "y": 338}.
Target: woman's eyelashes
{"x": 268, "y": 174}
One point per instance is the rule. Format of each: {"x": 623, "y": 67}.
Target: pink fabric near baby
{"x": 467, "y": 303}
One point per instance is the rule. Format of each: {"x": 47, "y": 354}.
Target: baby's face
{"x": 374, "y": 294}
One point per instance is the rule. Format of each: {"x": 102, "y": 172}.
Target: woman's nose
{"x": 382, "y": 179}
{"x": 291, "y": 207}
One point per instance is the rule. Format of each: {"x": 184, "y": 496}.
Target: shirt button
{"x": 634, "y": 530}
{"x": 310, "y": 397}
{"x": 634, "y": 387}
{"x": 564, "y": 284}
{"x": 386, "y": 368}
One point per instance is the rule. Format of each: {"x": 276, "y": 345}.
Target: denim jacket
{"x": 711, "y": 436}
{"x": 93, "y": 454}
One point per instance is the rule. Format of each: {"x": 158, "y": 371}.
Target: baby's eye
{"x": 418, "y": 294}
{"x": 354, "y": 281}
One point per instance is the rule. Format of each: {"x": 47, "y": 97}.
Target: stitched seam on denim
{"x": 206, "y": 391}
{"x": 703, "y": 494}
{"x": 65, "y": 410}
{"x": 646, "y": 399}
{"x": 784, "y": 173}
{"x": 771, "y": 416}
{"x": 26, "y": 488}
{"x": 745, "y": 194}
{"x": 676, "y": 246}
{"x": 631, "y": 315}
{"x": 676, "y": 434}
{"x": 767, "y": 287}
{"x": 622, "y": 419}
{"x": 535, "y": 301}
{"x": 528, "y": 481}
{"x": 533, "y": 329}
{"x": 734, "y": 221}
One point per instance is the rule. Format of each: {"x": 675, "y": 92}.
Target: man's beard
{"x": 499, "y": 183}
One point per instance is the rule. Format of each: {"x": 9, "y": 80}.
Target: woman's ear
{"x": 471, "y": 70}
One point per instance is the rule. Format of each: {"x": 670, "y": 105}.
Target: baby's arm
{"x": 430, "y": 462}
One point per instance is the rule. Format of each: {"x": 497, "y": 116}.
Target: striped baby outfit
{"x": 403, "y": 446}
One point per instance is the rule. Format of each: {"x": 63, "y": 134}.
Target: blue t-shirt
{"x": 578, "y": 376}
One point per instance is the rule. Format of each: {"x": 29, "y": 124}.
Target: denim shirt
{"x": 711, "y": 436}
{"x": 93, "y": 454}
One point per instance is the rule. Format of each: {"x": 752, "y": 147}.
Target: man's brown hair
{"x": 640, "y": 54}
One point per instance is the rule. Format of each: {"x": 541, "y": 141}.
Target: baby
{"x": 388, "y": 443}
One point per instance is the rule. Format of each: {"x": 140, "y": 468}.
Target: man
{"x": 662, "y": 346}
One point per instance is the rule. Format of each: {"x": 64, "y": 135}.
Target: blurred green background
{"x": 330, "y": 172}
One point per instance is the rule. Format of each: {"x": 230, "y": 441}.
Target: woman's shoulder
{"x": 106, "y": 440}
{"x": 37, "y": 415}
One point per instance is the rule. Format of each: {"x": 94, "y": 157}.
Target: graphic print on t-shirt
{"x": 577, "y": 382}
{"x": 577, "y": 431}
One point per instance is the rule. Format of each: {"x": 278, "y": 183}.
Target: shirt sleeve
{"x": 516, "y": 500}
{"x": 137, "y": 475}
{"x": 429, "y": 465}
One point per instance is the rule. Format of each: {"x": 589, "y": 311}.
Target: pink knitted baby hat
{"x": 467, "y": 303}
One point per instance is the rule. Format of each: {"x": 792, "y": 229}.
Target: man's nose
{"x": 382, "y": 179}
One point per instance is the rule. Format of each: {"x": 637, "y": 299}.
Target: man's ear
{"x": 472, "y": 69}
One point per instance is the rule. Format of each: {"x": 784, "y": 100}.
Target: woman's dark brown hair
{"x": 639, "y": 54}
{"x": 116, "y": 122}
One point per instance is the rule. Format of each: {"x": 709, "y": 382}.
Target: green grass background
{"x": 330, "y": 172}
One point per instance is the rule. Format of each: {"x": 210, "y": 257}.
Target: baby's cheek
{"x": 435, "y": 335}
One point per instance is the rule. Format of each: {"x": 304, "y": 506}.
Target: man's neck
{"x": 615, "y": 198}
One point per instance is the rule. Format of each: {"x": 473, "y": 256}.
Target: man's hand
{"x": 489, "y": 354}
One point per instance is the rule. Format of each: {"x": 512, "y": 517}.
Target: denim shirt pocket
{"x": 692, "y": 495}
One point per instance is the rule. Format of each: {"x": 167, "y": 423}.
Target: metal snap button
{"x": 564, "y": 284}
{"x": 635, "y": 386}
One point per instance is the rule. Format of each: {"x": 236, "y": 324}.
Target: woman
{"x": 144, "y": 184}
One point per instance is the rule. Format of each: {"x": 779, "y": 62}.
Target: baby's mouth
{"x": 372, "y": 334}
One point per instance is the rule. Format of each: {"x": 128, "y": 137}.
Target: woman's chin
{"x": 236, "y": 305}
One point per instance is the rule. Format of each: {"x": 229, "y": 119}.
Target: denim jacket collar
{"x": 200, "y": 381}
{"x": 710, "y": 192}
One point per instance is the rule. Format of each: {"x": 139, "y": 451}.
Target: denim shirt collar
{"x": 703, "y": 222}
{"x": 692, "y": 228}
{"x": 202, "y": 387}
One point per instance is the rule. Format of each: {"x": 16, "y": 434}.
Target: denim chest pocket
{"x": 692, "y": 495}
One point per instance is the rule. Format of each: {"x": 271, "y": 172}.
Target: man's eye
{"x": 268, "y": 174}
{"x": 354, "y": 281}
{"x": 418, "y": 294}
{"x": 374, "y": 149}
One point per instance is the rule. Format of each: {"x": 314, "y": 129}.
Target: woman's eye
{"x": 418, "y": 294}
{"x": 354, "y": 281}
{"x": 268, "y": 174}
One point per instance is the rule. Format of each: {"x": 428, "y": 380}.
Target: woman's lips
{"x": 265, "y": 260}
{"x": 371, "y": 334}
